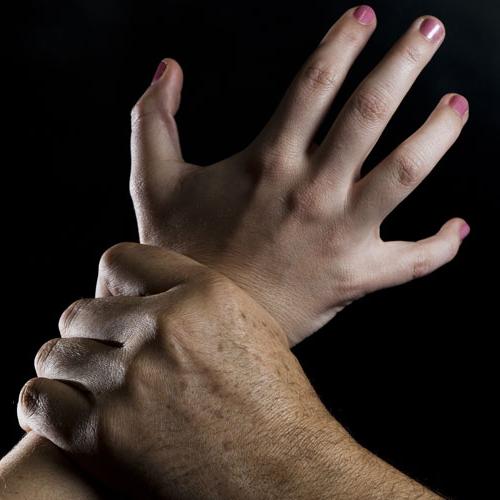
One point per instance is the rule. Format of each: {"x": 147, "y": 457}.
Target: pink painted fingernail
{"x": 432, "y": 29}
{"x": 464, "y": 231}
{"x": 364, "y": 14}
{"x": 459, "y": 104}
{"x": 159, "y": 71}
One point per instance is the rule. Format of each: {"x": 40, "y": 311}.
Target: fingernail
{"x": 464, "y": 231}
{"x": 364, "y": 14}
{"x": 459, "y": 104}
{"x": 159, "y": 71}
{"x": 432, "y": 29}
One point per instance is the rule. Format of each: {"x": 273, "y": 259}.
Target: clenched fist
{"x": 182, "y": 391}
{"x": 190, "y": 392}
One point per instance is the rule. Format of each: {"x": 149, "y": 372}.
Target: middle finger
{"x": 367, "y": 112}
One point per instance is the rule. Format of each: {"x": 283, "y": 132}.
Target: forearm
{"x": 38, "y": 470}
{"x": 336, "y": 467}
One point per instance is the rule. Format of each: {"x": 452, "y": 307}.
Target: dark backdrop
{"x": 407, "y": 370}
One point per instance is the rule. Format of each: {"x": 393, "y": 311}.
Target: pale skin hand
{"x": 294, "y": 225}
{"x": 191, "y": 391}
{"x": 36, "y": 469}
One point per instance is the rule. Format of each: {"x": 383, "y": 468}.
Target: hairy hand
{"x": 293, "y": 224}
{"x": 189, "y": 391}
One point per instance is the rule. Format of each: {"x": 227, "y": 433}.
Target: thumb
{"x": 155, "y": 146}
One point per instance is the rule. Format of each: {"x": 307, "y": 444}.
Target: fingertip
{"x": 459, "y": 104}
{"x": 53, "y": 409}
{"x": 164, "y": 92}
{"x": 464, "y": 231}
{"x": 43, "y": 354}
{"x": 29, "y": 397}
{"x": 365, "y": 15}
{"x": 28, "y": 403}
{"x": 160, "y": 71}
{"x": 457, "y": 226}
{"x": 169, "y": 79}
{"x": 362, "y": 16}
{"x": 431, "y": 28}
{"x": 453, "y": 232}
{"x": 455, "y": 104}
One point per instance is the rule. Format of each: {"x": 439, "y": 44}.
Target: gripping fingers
{"x": 90, "y": 363}
{"x": 110, "y": 319}
{"x": 132, "y": 269}
{"x": 387, "y": 185}
{"x": 54, "y": 410}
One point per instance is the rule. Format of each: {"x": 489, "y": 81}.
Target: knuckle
{"x": 421, "y": 265}
{"x": 113, "y": 257}
{"x": 451, "y": 248}
{"x": 171, "y": 333}
{"x": 411, "y": 53}
{"x": 319, "y": 77}
{"x": 273, "y": 159}
{"x": 43, "y": 354}
{"x": 407, "y": 168}
{"x": 309, "y": 203}
{"x": 30, "y": 397}
{"x": 371, "y": 104}
{"x": 69, "y": 315}
{"x": 36, "y": 400}
{"x": 111, "y": 266}
{"x": 164, "y": 322}
{"x": 351, "y": 37}
{"x": 140, "y": 111}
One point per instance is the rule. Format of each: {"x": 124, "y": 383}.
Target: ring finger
{"x": 388, "y": 184}
{"x": 367, "y": 112}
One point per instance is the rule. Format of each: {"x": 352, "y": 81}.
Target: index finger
{"x": 132, "y": 269}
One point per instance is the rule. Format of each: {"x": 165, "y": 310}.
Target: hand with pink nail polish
{"x": 296, "y": 226}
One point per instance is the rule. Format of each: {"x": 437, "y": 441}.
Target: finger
{"x": 155, "y": 145}
{"x": 367, "y": 112}
{"x": 406, "y": 167}
{"x": 90, "y": 363}
{"x": 310, "y": 95}
{"x": 54, "y": 410}
{"x": 406, "y": 261}
{"x": 110, "y": 319}
{"x": 136, "y": 270}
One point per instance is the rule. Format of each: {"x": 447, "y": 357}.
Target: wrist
{"x": 322, "y": 461}
{"x": 293, "y": 312}
{"x": 301, "y": 461}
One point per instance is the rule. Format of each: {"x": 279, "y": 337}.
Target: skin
{"x": 37, "y": 469}
{"x": 190, "y": 391}
{"x": 292, "y": 223}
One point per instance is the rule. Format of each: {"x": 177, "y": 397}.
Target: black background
{"x": 407, "y": 370}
